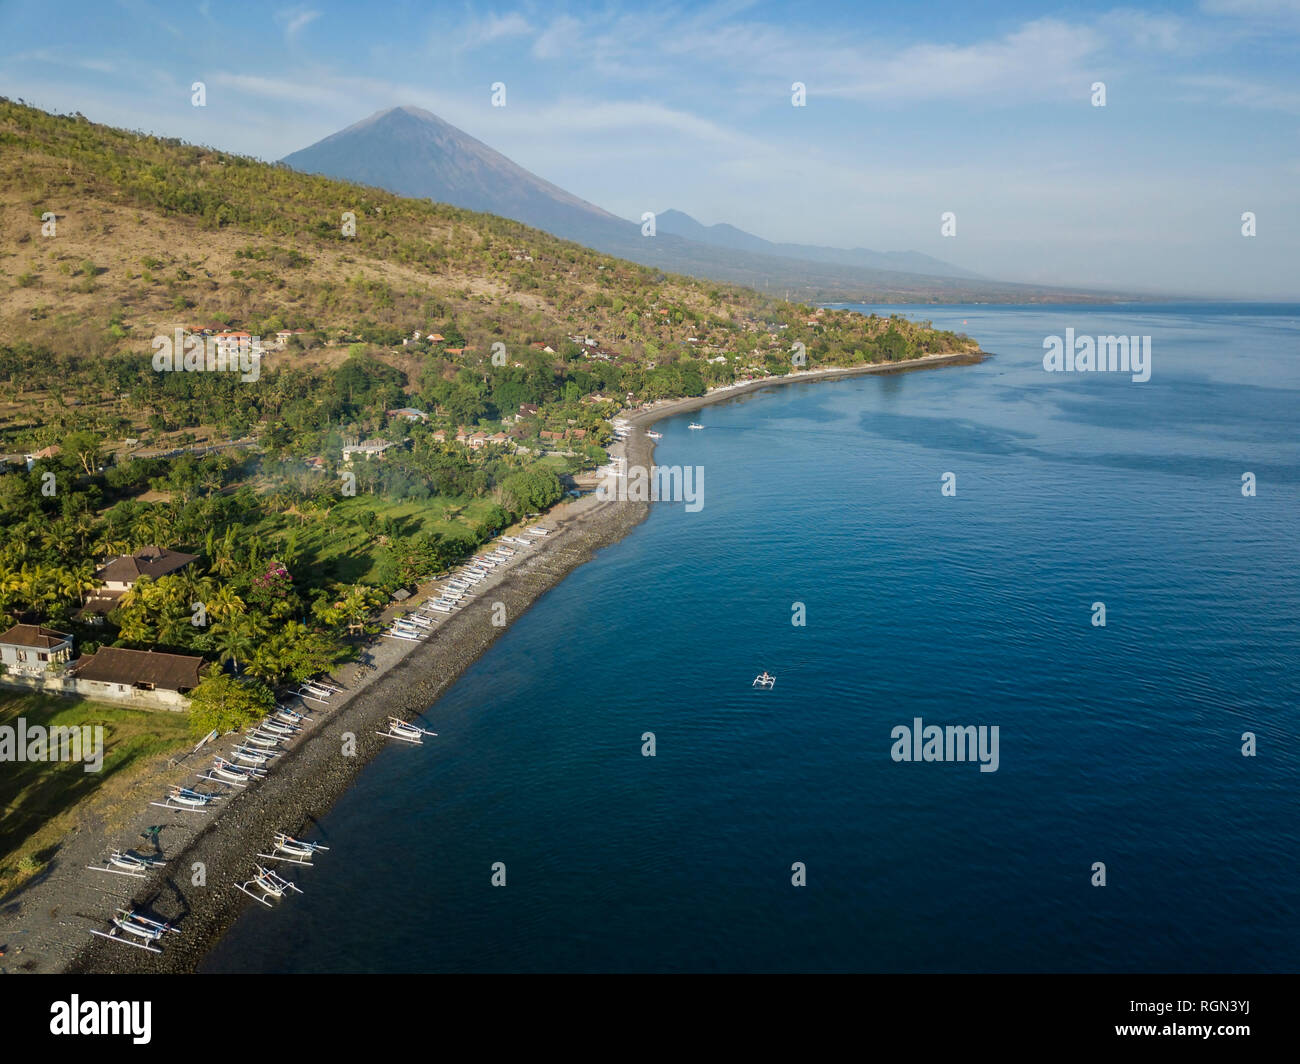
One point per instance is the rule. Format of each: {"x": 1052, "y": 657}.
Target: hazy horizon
{"x": 908, "y": 114}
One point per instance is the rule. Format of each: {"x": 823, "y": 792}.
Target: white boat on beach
{"x": 186, "y": 800}
{"x": 223, "y": 771}
{"x": 130, "y": 922}
{"x": 405, "y": 731}
{"x": 654, "y": 435}
{"x": 296, "y": 851}
{"x": 269, "y": 885}
{"x": 126, "y": 863}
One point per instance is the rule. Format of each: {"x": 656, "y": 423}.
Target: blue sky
{"x": 912, "y": 110}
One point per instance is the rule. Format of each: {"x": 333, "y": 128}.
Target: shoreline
{"x": 312, "y": 775}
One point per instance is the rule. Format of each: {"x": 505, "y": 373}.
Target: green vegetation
{"x": 520, "y": 344}
{"x": 37, "y": 797}
{"x": 227, "y": 704}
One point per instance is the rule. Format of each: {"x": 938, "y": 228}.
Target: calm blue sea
{"x": 1119, "y": 744}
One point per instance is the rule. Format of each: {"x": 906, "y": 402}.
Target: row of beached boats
{"x": 253, "y": 756}
{"x": 248, "y": 761}
{"x": 458, "y": 588}
{"x": 131, "y": 927}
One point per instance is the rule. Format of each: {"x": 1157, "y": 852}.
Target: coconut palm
{"x": 226, "y": 603}
{"x": 233, "y": 641}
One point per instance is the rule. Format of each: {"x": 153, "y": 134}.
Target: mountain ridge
{"x": 411, "y": 152}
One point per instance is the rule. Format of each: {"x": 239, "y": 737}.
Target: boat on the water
{"x": 695, "y": 426}
{"x": 764, "y": 681}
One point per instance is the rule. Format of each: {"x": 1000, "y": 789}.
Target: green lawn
{"x": 339, "y": 548}
{"x": 37, "y": 798}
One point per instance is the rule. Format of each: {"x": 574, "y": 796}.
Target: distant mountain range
{"x": 412, "y": 152}
{"x": 728, "y": 236}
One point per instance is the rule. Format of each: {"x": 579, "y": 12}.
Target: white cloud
{"x": 1238, "y": 92}
{"x": 295, "y": 20}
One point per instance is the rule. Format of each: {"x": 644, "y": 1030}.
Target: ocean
{"x": 1119, "y": 745}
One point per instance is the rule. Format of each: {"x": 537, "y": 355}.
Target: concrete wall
{"x": 120, "y": 694}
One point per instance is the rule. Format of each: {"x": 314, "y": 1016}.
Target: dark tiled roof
{"x": 172, "y": 672}
{"x": 152, "y": 562}
{"x": 33, "y": 635}
{"x": 99, "y": 603}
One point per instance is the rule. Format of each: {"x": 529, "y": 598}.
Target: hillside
{"x": 386, "y": 337}
{"x": 154, "y": 234}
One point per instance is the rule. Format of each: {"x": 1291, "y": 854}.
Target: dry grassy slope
{"x": 62, "y": 306}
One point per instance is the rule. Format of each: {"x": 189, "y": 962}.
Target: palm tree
{"x": 233, "y": 641}
{"x": 75, "y": 582}
{"x": 225, "y": 603}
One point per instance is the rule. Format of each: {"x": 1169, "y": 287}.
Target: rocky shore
{"x": 60, "y": 908}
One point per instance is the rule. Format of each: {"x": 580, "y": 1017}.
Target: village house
{"x": 367, "y": 449}
{"x": 53, "y": 451}
{"x": 234, "y": 343}
{"x": 142, "y": 677}
{"x": 410, "y": 413}
{"x": 477, "y": 440}
{"x": 121, "y": 573}
{"x": 119, "y": 576}
{"x": 30, "y": 649}
{"x": 526, "y": 410}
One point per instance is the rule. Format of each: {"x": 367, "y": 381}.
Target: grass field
{"x": 343, "y": 547}
{"x": 40, "y": 801}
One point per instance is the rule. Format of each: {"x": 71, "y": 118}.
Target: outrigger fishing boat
{"x": 695, "y": 426}
{"x": 655, "y": 435}
{"x": 250, "y": 756}
{"x": 408, "y": 733}
{"x": 764, "y": 681}
{"x": 186, "y": 800}
{"x": 312, "y": 693}
{"x": 223, "y": 771}
{"x": 296, "y": 851}
{"x": 271, "y": 884}
{"x": 126, "y": 863}
{"x": 290, "y": 716}
{"x": 132, "y": 923}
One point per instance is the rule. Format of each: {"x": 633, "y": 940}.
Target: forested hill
{"x": 431, "y": 375}
{"x": 151, "y": 234}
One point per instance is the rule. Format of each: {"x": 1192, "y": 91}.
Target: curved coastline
{"x": 313, "y": 775}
